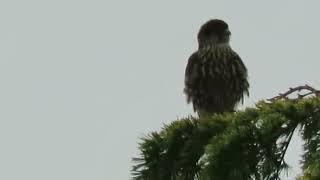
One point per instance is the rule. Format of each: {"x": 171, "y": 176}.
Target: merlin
{"x": 215, "y": 76}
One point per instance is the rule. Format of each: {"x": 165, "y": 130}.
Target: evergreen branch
{"x": 312, "y": 91}
{"x": 284, "y": 152}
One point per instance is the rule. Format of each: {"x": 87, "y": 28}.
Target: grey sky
{"x": 82, "y": 80}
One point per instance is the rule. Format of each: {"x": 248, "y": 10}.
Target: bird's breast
{"x": 216, "y": 63}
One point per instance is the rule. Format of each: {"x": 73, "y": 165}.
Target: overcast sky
{"x": 81, "y": 81}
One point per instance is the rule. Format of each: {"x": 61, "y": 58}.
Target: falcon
{"x": 215, "y": 76}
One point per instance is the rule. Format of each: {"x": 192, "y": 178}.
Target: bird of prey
{"x": 215, "y": 76}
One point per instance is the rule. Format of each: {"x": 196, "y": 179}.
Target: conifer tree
{"x": 242, "y": 145}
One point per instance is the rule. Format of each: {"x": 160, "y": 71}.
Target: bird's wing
{"x": 240, "y": 64}
{"x": 192, "y": 70}
{"x": 241, "y": 72}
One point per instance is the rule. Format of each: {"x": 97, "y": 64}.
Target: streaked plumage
{"x": 215, "y": 76}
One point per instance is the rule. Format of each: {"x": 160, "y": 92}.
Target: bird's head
{"x": 213, "y": 32}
